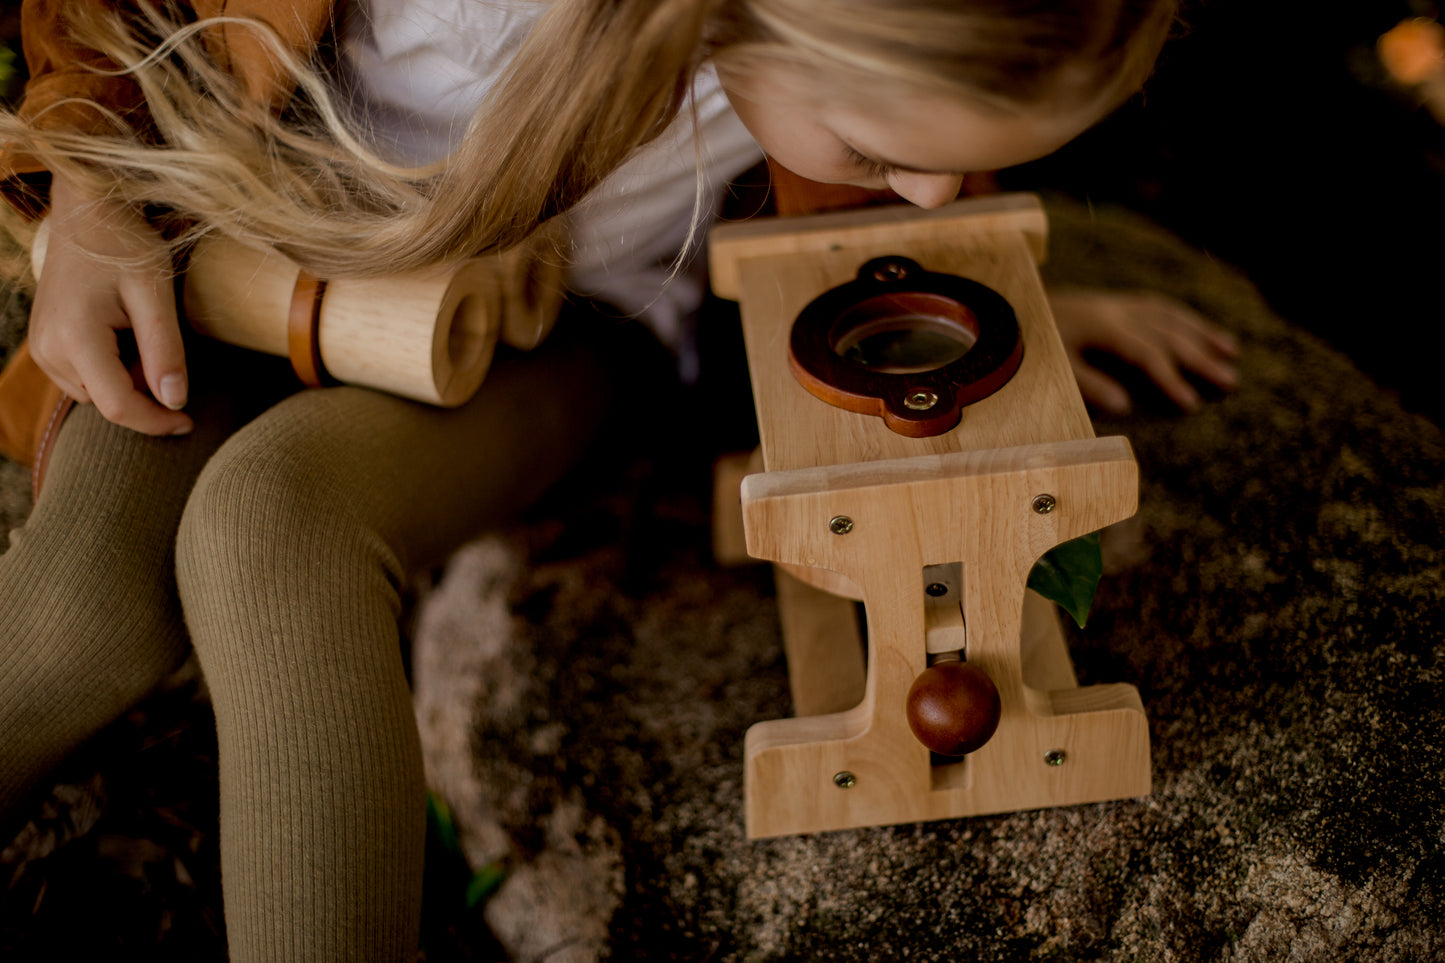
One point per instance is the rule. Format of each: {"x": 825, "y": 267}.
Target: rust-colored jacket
{"x": 63, "y": 78}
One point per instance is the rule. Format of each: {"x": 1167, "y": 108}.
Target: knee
{"x": 282, "y": 580}
{"x": 266, "y": 518}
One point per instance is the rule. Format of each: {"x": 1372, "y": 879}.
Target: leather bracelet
{"x": 303, "y": 325}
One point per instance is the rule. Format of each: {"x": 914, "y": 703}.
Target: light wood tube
{"x": 426, "y": 335}
{"x": 533, "y": 288}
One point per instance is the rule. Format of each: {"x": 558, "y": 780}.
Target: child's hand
{"x": 1160, "y": 336}
{"x": 107, "y": 271}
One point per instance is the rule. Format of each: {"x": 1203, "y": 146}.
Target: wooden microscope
{"x": 923, "y": 443}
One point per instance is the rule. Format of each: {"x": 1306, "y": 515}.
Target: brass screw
{"x": 840, "y": 524}
{"x": 892, "y": 271}
{"x": 844, "y": 779}
{"x": 1043, "y": 504}
{"x": 920, "y": 400}
{"x": 1055, "y": 757}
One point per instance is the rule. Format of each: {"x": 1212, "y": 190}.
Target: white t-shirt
{"x": 420, "y": 69}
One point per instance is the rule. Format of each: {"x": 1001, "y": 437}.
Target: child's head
{"x": 913, "y": 94}
{"x": 1005, "y": 52}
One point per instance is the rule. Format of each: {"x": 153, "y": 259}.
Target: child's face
{"x": 919, "y": 146}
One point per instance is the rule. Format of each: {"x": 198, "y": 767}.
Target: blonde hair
{"x": 595, "y": 80}
{"x": 1005, "y": 53}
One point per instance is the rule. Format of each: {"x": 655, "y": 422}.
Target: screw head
{"x": 936, "y": 590}
{"x": 844, "y": 779}
{"x": 840, "y": 524}
{"x": 1055, "y": 757}
{"x": 1043, "y": 504}
{"x": 890, "y": 271}
{"x": 920, "y": 400}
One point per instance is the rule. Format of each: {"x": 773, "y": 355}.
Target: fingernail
{"x": 173, "y": 391}
{"x": 183, "y": 429}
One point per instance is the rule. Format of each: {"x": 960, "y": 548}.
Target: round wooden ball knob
{"x": 953, "y": 708}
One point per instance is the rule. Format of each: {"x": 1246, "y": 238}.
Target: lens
{"x": 905, "y": 333}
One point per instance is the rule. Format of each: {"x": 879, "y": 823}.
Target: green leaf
{"x": 7, "y": 70}
{"x": 484, "y": 883}
{"x": 442, "y": 824}
{"x": 1069, "y": 575}
{"x": 447, "y": 867}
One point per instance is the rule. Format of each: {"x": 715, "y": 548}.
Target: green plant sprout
{"x": 1069, "y": 575}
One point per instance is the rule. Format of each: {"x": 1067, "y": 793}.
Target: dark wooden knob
{"x": 953, "y": 708}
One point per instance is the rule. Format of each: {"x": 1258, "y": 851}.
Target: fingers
{"x": 1166, "y": 340}
{"x": 1207, "y": 360}
{"x": 106, "y": 271}
{"x": 1195, "y": 345}
{"x": 50, "y": 341}
{"x": 152, "y": 311}
{"x": 64, "y": 376}
{"x": 1209, "y": 336}
{"x": 76, "y": 346}
{"x": 1100, "y": 390}
{"x": 1159, "y": 363}
{"x": 105, "y": 382}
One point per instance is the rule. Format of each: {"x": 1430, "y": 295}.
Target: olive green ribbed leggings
{"x": 277, "y": 546}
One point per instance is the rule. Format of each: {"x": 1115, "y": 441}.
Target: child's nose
{"x": 926, "y": 190}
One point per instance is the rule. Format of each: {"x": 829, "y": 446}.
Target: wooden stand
{"x": 936, "y": 535}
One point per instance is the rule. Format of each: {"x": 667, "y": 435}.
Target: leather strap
{"x": 302, "y": 327}
{"x": 47, "y": 443}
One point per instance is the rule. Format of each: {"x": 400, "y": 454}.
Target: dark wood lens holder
{"x": 914, "y": 403}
